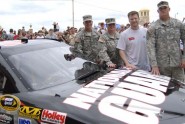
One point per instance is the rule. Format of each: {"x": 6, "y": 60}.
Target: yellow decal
{"x": 30, "y": 112}
{"x": 9, "y": 102}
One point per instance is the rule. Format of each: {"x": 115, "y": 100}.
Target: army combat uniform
{"x": 109, "y": 52}
{"x": 163, "y": 47}
{"x": 87, "y": 45}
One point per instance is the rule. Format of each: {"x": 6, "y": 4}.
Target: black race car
{"x": 40, "y": 82}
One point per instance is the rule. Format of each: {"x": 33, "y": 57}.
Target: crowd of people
{"x": 53, "y": 33}
{"x": 154, "y": 47}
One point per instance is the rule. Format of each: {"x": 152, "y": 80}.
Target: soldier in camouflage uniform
{"x": 87, "y": 45}
{"x": 163, "y": 44}
{"x": 109, "y": 40}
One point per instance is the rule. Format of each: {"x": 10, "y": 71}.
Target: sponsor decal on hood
{"x": 30, "y": 112}
{"x": 24, "y": 121}
{"x": 6, "y": 118}
{"x": 9, "y": 102}
{"x": 53, "y": 117}
{"x": 131, "y": 95}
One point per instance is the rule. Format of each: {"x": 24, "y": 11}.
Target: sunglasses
{"x": 161, "y": 8}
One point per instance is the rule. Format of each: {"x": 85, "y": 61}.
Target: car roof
{"x": 14, "y": 43}
{"x": 13, "y": 47}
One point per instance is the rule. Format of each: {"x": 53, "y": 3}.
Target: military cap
{"x": 162, "y": 3}
{"x": 87, "y": 18}
{"x": 110, "y": 20}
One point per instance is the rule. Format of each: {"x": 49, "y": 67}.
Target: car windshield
{"x": 46, "y": 67}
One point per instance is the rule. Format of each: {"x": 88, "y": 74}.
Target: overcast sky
{"x": 17, "y": 13}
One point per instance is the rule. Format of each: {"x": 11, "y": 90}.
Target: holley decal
{"x": 53, "y": 117}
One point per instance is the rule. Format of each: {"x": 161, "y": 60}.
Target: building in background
{"x": 144, "y": 16}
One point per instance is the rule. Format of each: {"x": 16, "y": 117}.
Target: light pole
{"x": 73, "y": 11}
{"x": 176, "y": 14}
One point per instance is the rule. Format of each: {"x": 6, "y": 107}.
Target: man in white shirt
{"x": 11, "y": 35}
{"x": 51, "y": 35}
{"x": 132, "y": 44}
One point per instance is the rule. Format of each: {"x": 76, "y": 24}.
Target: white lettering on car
{"x": 120, "y": 72}
{"x": 139, "y": 93}
{"x": 136, "y": 112}
{"x": 141, "y": 88}
{"x": 149, "y": 75}
{"x": 158, "y": 85}
{"x": 88, "y": 95}
{"x": 99, "y": 84}
{"x": 79, "y": 100}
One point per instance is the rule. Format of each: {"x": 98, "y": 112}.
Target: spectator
{"x": 40, "y": 35}
{"x": 57, "y": 27}
{"x": 11, "y": 35}
{"x": 60, "y": 37}
{"x": 102, "y": 28}
{"x": 146, "y": 25}
{"x": 127, "y": 26}
{"x": 44, "y": 30}
{"x": 23, "y": 29}
{"x": 14, "y": 32}
{"x": 71, "y": 37}
{"x": 164, "y": 37}
{"x": 33, "y": 36}
{"x": 132, "y": 44}
{"x": 51, "y": 35}
{"x": 54, "y": 26}
{"x": 19, "y": 35}
{"x": 76, "y": 30}
{"x": 30, "y": 30}
{"x": 24, "y": 35}
{"x": 28, "y": 35}
{"x": 3, "y": 35}
{"x": 122, "y": 28}
{"x": 65, "y": 36}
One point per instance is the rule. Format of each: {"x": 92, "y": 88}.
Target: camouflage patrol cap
{"x": 110, "y": 20}
{"x": 87, "y": 18}
{"x": 162, "y": 3}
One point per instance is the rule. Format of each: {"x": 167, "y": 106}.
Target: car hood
{"x": 120, "y": 96}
